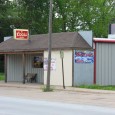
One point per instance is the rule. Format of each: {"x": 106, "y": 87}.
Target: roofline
{"x": 37, "y": 51}
{"x": 25, "y": 52}
{"x": 103, "y": 40}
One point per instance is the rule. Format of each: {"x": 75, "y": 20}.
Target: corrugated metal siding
{"x": 87, "y": 35}
{"x": 14, "y": 68}
{"x": 83, "y": 73}
{"x": 30, "y": 69}
{"x": 105, "y": 64}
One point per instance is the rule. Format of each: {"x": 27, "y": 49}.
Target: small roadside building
{"x": 104, "y": 65}
{"x": 22, "y": 57}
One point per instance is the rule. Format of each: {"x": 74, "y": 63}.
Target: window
{"x": 38, "y": 62}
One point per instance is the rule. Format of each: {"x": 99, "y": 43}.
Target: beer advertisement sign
{"x": 21, "y": 34}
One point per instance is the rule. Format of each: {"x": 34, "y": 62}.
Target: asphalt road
{"x": 18, "y": 106}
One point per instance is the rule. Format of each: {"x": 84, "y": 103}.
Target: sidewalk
{"x": 38, "y": 86}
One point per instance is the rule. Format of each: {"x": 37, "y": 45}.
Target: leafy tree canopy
{"x": 68, "y": 15}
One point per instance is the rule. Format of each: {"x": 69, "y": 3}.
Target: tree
{"x": 34, "y": 14}
{"x": 9, "y": 16}
{"x": 65, "y": 15}
{"x": 4, "y": 6}
{"x": 98, "y": 16}
{"x": 84, "y": 15}
{"x": 68, "y": 15}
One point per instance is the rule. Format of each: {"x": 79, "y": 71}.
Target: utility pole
{"x": 49, "y": 46}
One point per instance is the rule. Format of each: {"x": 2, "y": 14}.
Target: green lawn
{"x": 98, "y": 87}
{"x": 2, "y": 76}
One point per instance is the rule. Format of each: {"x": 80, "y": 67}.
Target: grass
{"x": 2, "y": 77}
{"x": 97, "y": 87}
{"x": 45, "y": 89}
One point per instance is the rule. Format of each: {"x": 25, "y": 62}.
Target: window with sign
{"x": 38, "y": 62}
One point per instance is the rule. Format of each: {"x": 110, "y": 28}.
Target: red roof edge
{"x": 104, "y": 40}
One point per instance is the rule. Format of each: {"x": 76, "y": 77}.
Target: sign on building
{"x": 21, "y": 34}
{"x": 84, "y": 56}
{"x": 62, "y": 54}
{"x": 53, "y": 64}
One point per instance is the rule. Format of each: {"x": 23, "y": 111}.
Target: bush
{"x": 45, "y": 89}
{"x": 2, "y": 77}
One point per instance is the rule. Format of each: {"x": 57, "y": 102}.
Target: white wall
{"x": 56, "y": 75}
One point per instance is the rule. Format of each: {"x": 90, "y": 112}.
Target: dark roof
{"x": 64, "y": 40}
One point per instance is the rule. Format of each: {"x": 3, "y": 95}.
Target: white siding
{"x": 56, "y": 75}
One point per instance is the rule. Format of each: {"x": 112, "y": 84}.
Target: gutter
{"x": 103, "y": 40}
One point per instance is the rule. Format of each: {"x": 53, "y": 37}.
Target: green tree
{"x": 68, "y": 15}
{"x": 77, "y": 15}
{"x": 34, "y": 14}
{"x": 8, "y": 17}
